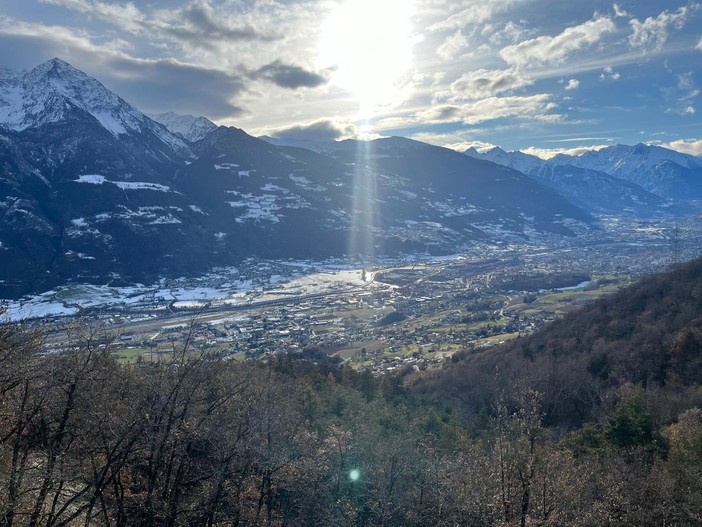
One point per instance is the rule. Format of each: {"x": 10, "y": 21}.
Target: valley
{"x": 414, "y": 311}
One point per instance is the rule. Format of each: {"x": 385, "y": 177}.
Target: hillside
{"x": 647, "y": 335}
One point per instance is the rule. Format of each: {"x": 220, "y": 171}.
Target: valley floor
{"x": 414, "y": 311}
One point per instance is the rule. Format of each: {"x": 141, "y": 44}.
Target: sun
{"x": 368, "y": 45}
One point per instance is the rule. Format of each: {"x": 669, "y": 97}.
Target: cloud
{"x": 455, "y": 141}
{"x": 480, "y": 146}
{"x": 481, "y": 84}
{"x": 686, "y": 146}
{"x": 197, "y": 23}
{"x": 609, "y": 74}
{"x": 573, "y": 84}
{"x": 682, "y": 94}
{"x": 546, "y": 49}
{"x": 534, "y": 107}
{"x": 699, "y": 44}
{"x": 476, "y": 12}
{"x": 289, "y": 76}
{"x": 323, "y": 130}
{"x": 652, "y": 33}
{"x": 453, "y": 46}
{"x": 548, "y": 153}
{"x": 619, "y": 12}
{"x": 511, "y": 33}
{"x": 165, "y": 85}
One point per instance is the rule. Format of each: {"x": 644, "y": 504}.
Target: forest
{"x": 594, "y": 421}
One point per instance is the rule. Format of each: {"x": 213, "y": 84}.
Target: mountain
{"x": 661, "y": 171}
{"x": 55, "y": 93}
{"x": 587, "y": 184}
{"x": 319, "y": 146}
{"x": 517, "y": 160}
{"x": 96, "y": 191}
{"x": 188, "y": 127}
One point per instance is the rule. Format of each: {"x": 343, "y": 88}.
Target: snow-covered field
{"x": 254, "y": 281}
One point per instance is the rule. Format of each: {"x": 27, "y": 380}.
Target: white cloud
{"x": 686, "y": 146}
{"x": 126, "y": 16}
{"x": 609, "y": 74}
{"x": 548, "y": 153}
{"x": 682, "y": 94}
{"x": 198, "y": 22}
{"x": 652, "y": 33}
{"x": 453, "y": 46}
{"x": 59, "y": 35}
{"x": 476, "y": 12}
{"x": 573, "y": 84}
{"x": 699, "y": 44}
{"x": 534, "y": 107}
{"x": 511, "y": 33}
{"x": 545, "y": 49}
{"x": 480, "y": 146}
{"x": 619, "y": 12}
{"x": 455, "y": 141}
{"x": 481, "y": 84}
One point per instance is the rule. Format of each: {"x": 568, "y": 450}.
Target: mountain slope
{"x": 661, "y": 171}
{"x": 593, "y": 184}
{"x": 646, "y": 335}
{"x": 188, "y": 127}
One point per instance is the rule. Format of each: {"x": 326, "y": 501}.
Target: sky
{"x": 541, "y": 76}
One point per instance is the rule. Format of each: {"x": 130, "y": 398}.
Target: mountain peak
{"x": 56, "y": 64}
{"x": 54, "y": 91}
{"x": 190, "y": 127}
{"x": 56, "y": 69}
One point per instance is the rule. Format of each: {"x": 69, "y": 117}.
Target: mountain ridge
{"x": 642, "y": 179}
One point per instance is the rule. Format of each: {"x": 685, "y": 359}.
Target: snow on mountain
{"x": 626, "y": 162}
{"x": 661, "y": 171}
{"x": 525, "y": 163}
{"x": 55, "y": 90}
{"x": 187, "y": 126}
{"x": 593, "y": 181}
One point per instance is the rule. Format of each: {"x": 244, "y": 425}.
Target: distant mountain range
{"x": 639, "y": 179}
{"x": 94, "y": 190}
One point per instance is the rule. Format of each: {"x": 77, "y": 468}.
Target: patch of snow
{"x": 137, "y": 185}
{"x": 93, "y": 179}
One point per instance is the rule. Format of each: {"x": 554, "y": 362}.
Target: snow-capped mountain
{"x": 637, "y": 179}
{"x": 625, "y": 161}
{"x": 93, "y": 190}
{"x": 55, "y": 92}
{"x": 525, "y": 163}
{"x": 661, "y": 171}
{"x": 186, "y": 126}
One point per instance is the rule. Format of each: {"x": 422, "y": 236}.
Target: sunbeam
{"x": 363, "y": 206}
